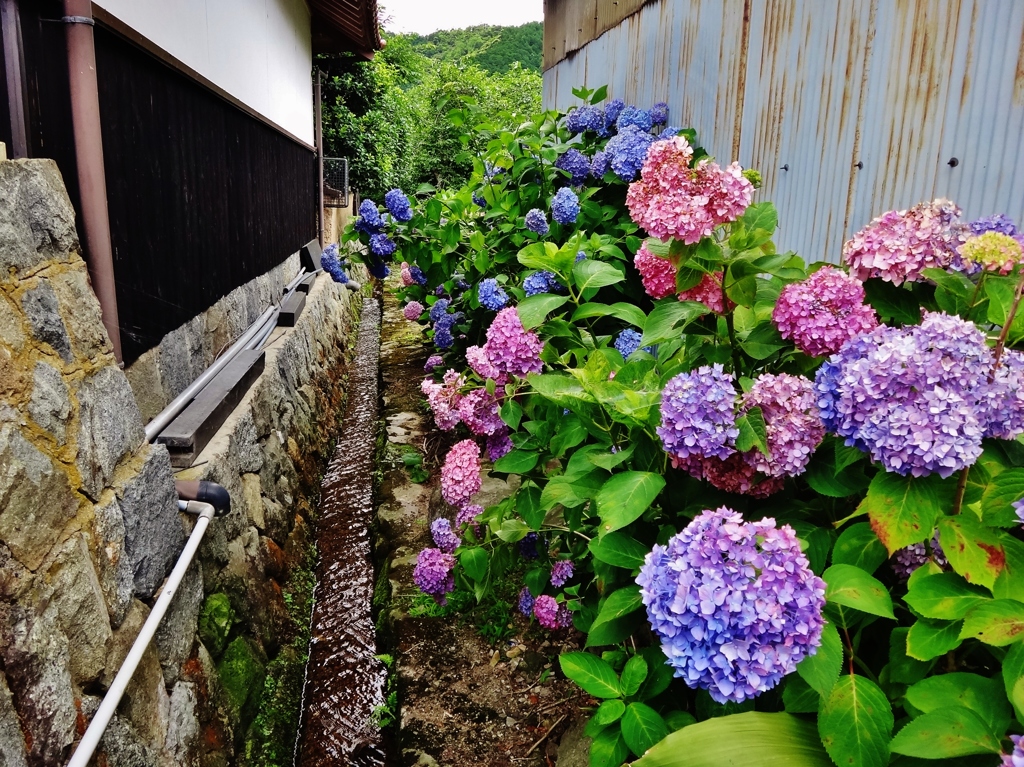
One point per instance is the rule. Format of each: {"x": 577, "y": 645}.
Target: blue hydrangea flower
{"x": 541, "y": 282}
{"x": 735, "y": 604}
{"x": 613, "y": 109}
{"x": 580, "y": 256}
{"x": 381, "y": 245}
{"x": 999, "y": 223}
{"x": 565, "y": 206}
{"x": 628, "y": 150}
{"x": 537, "y": 222}
{"x": 659, "y": 113}
{"x": 669, "y": 132}
{"x": 628, "y": 342}
{"x": 417, "y": 275}
{"x": 635, "y": 116}
{"x": 491, "y": 294}
{"x": 377, "y": 268}
{"x": 698, "y": 415}
{"x": 528, "y": 546}
{"x": 332, "y": 264}
{"x": 583, "y": 119}
{"x": 439, "y": 309}
{"x": 369, "y": 221}
{"x": 491, "y": 170}
{"x": 599, "y": 165}
{"x": 575, "y": 163}
{"x": 398, "y": 205}
{"x": 526, "y": 602}
{"x": 479, "y": 199}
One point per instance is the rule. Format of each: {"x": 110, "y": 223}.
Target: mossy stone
{"x": 215, "y": 621}
{"x": 242, "y": 673}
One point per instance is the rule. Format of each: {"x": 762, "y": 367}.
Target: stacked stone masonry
{"x": 89, "y": 527}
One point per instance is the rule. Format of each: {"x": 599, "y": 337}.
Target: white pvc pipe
{"x": 258, "y": 341}
{"x": 105, "y": 712}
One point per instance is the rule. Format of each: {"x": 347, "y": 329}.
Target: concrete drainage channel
{"x": 344, "y": 678}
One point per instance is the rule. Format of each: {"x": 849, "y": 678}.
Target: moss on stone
{"x": 215, "y": 620}
{"x": 242, "y": 674}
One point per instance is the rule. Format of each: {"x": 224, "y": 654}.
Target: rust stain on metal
{"x": 741, "y": 83}
{"x": 1018, "y": 78}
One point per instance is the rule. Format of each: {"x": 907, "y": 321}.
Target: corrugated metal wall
{"x": 848, "y": 107}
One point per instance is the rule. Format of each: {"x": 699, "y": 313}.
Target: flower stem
{"x": 961, "y": 488}
{"x": 849, "y": 650}
{"x": 1001, "y": 341}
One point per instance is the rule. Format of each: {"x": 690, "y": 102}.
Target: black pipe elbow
{"x": 205, "y": 492}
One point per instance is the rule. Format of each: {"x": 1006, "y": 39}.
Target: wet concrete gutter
{"x": 344, "y": 678}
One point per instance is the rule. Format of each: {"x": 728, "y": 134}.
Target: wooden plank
{"x": 291, "y": 308}
{"x": 187, "y": 435}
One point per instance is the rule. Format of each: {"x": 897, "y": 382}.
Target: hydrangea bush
{"x": 746, "y": 483}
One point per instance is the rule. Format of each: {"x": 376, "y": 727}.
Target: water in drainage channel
{"x": 344, "y": 678}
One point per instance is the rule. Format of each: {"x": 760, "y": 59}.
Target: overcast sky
{"x": 426, "y": 16}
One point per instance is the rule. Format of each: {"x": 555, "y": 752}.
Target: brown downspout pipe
{"x": 92, "y": 185}
{"x": 318, "y": 126}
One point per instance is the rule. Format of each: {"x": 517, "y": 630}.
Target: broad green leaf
{"x": 538, "y": 255}
{"x": 512, "y": 530}
{"x": 902, "y": 668}
{"x": 625, "y": 312}
{"x": 931, "y": 638}
{"x": 980, "y": 694}
{"x": 1013, "y": 679}
{"x": 824, "y": 479}
{"x": 609, "y": 711}
{"x": 565, "y": 391}
{"x": 642, "y": 727}
{"x": 608, "y": 627}
{"x": 999, "y": 495}
{"x": 595, "y": 274}
{"x": 905, "y": 510}
{"x": 626, "y": 496}
{"x": 619, "y": 550}
{"x": 821, "y": 670}
{"x": 753, "y": 432}
{"x": 571, "y": 432}
{"x": 946, "y": 732}
{"x": 798, "y": 697}
{"x": 762, "y": 342}
{"x": 760, "y": 215}
{"x": 677, "y": 720}
{"x": 853, "y": 587}
{"x": 529, "y": 506}
{"x": 945, "y": 596}
{"x": 571, "y": 491}
{"x": 742, "y": 291}
{"x": 610, "y": 460}
{"x": 972, "y": 549}
{"x": 591, "y": 673}
{"x": 664, "y": 321}
{"x": 892, "y": 301}
{"x": 516, "y": 462}
{"x": 533, "y": 310}
{"x": 659, "y": 673}
{"x": 855, "y": 723}
{"x": 474, "y": 561}
{"x": 633, "y": 675}
{"x": 608, "y": 748}
{"x": 859, "y": 546}
{"x": 997, "y": 622}
{"x": 511, "y": 412}
{"x": 1010, "y": 583}
{"x": 751, "y": 739}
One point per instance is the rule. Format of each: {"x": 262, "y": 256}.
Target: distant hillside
{"x": 492, "y": 48}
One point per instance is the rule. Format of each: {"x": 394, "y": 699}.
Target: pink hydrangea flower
{"x": 823, "y": 312}
{"x": 708, "y": 292}
{"x": 898, "y": 245}
{"x": 658, "y": 274}
{"x": 444, "y": 399}
{"x": 480, "y": 363}
{"x": 460, "y": 475}
{"x": 479, "y": 411}
{"x": 550, "y": 614}
{"x": 792, "y": 419}
{"x": 510, "y": 349}
{"x": 412, "y": 311}
{"x": 992, "y": 251}
{"x": 407, "y": 279}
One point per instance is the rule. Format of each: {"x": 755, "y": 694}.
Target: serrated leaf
{"x": 821, "y": 670}
{"x": 972, "y": 549}
{"x": 892, "y": 301}
{"x": 565, "y": 391}
{"x": 763, "y": 341}
{"x": 595, "y": 274}
{"x": 946, "y": 732}
{"x": 996, "y": 622}
{"x": 609, "y": 711}
{"x": 591, "y": 673}
{"x": 633, "y": 675}
{"x": 980, "y": 694}
{"x": 905, "y": 510}
{"x": 642, "y": 727}
{"x": 944, "y": 596}
{"x": 533, "y": 310}
{"x": 855, "y": 722}
{"x": 667, "y": 320}
{"x": 474, "y": 562}
{"x": 624, "y": 497}
{"x": 619, "y": 550}
{"x": 625, "y": 312}
{"x": 852, "y": 587}
{"x": 930, "y": 638}
{"x": 753, "y": 432}
{"x": 516, "y": 462}
{"x": 859, "y": 546}
{"x": 998, "y": 497}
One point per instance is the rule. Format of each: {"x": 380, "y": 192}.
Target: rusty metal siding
{"x": 864, "y": 101}
{"x": 571, "y": 24}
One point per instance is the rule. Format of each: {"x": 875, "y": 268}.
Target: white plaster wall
{"x": 259, "y": 51}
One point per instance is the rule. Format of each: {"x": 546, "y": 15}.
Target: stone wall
{"x": 88, "y": 522}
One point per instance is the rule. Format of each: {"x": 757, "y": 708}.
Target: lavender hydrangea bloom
{"x": 537, "y": 222}
{"x": 468, "y": 515}
{"x": 998, "y": 223}
{"x": 528, "y": 546}
{"x": 583, "y": 119}
{"x": 491, "y": 295}
{"x": 1016, "y": 757}
{"x": 599, "y": 164}
{"x": 561, "y": 571}
{"x": 499, "y": 444}
{"x": 433, "y": 361}
{"x": 526, "y": 601}
{"x": 735, "y": 604}
{"x": 908, "y": 559}
{"x": 634, "y": 116}
{"x": 1018, "y": 507}
{"x": 434, "y": 575}
{"x": 565, "y": 206}
{"x": 628, "y": 150}
{"x": 575, "y": 164}
{"x": 398, "y": 205}
{"x": 659, "y": 113}
{"x": 444, "y": 538}
{"x": 698, "y": 415}
{"x": 332, "y": 264}
{"x": 381, "y": 245}
{"x": 369, "y": 221}
{"x": 417, "y": 275}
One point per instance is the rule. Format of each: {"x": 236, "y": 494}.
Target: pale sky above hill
{"x": 426, "y": 16}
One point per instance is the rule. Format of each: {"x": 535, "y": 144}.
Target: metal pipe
{"x": 168, "y": 414}
{"x": 99, "y": 722}
{"x": 318, "y": 126}
{"x": 92, "y": 184}
{"x": 10, "y": 30}
{"x": 259, "y": 340}
{"x": 290, "y": 287}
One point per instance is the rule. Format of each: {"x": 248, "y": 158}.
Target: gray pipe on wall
{"x": 85, "y": 118}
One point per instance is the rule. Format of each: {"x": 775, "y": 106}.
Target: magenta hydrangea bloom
{"x": 698, "y": 415}
{"x": 735, "y": 604}
{"x": 460, "y": 475}
{"x": 434, "y": 574}
{"x": 823, "y": 312}
{"x": 708, "y": 292}
{"x": 671, "y": 199}
{"x": 992, "y": 251}
{"x": 444, "y": 399}
{"x": 479, "y": 411}
{"x": 736, "y": 474}
{"x": 413, "y": 311}
{"x": 480, "y": 363}
{"x": 561, "y": 571}
{"x": 407, "y": 279}
{"x": 444, "y": 538}
{"x": 789, "y": 405}
{"x": 898, "y": 245}
{"x": 499, "y": 444}
{"x": 510, "y": 348}
{"x": 468, "y": 515}
{"x": 658, "y": 274}
{"x": 550, "y": 614}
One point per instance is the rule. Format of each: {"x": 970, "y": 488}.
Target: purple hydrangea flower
{"x": 632, "y": 116}
{"x": 599, "y": 165}
{"x": 526, "y": 602}
{"x": 468, "y": 515}
{"x": 698, "y": 415}
{"x": 479, "y": 411}
{"x": 550, "y": 614}
{"x": 1016, "y": 757}
{"x": 460, "y": 475}
{"x": 434, "y": 575}
{"x": 444, "y": 538}
{"x": 528, "y": 546}
{"x": 1018, "y": 507}
{"x": 412, "y": 311}
{"x": 510, "y": 348}
{"x": 479, "y": 200}
{"x": 575, "y": 164}
{"x": 795, "y": 429}
{"x": 998, "y": 223}
{"x": 565, "y": 206}
{"x": 735, "y": 604}
{"x": 537, "y": 222}
{"x": 491, "y": 294}
{"x": 580, "y": 256}
{"x": 561, "y": 571}
{"x": 911, "y": 557}
{"x": 659, "y": 113}
{"x": 499, "y": 444}
{"x": 417, "y": 275}
{"x": 381, "y": 245}
{"x": 628, "y": 150}
{"x": 823, "y": 312}
{"x": 585, "y": 118}
{"x": 433, "y": 361}
{"x": 443, "y": 338}
{"x": 331, "y": 264}
{"x": 369, "y": 221}
{"x": 398, "y": 205}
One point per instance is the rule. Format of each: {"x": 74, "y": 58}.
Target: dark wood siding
{"x": 202, "y": 196}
